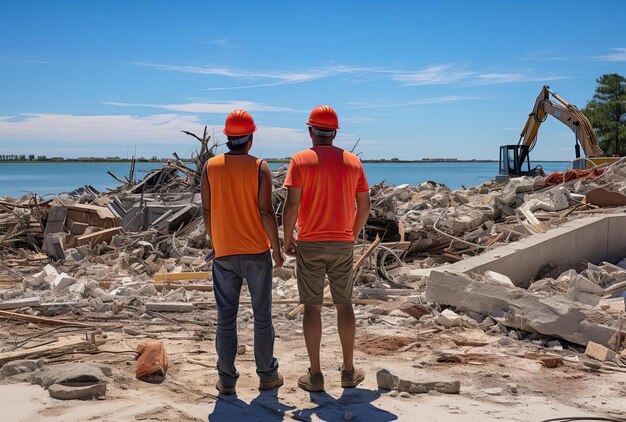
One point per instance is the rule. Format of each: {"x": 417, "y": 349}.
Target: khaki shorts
{"x": 315, "y": 261}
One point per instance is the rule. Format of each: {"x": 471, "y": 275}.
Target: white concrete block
{"x": 62, "y": 282}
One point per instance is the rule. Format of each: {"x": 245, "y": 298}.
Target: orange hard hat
{"x": 239, "y": 123}
{"x": 323, "y": 117}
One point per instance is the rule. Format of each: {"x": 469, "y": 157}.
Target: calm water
{"x": 52, "y": 178}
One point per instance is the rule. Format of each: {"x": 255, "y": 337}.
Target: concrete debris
{"x": 19, "y": 367}
{"x": 169, "y": 306}
{"x": 20, "y": 303}
{"x": 599, "y": 352}
{"x": 78, "y": 390}
{"x": 388, "y": 381}
{"x": 519, "y": 309}
{"x": 449, "y": 318}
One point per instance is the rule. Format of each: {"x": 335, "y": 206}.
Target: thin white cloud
{"x": 422, "y": 101}
{"x": 433, "y": 75}
{"x": 108, "y": 132}
{"x": 231, "y": 73}
{"x": 542, "y": 56}
{"x": 207, "y": 107}
{"x": 24, "y": 61}
{"x": 157, "y": 128}
{"x": 508, "y": 78}
{"x": 222, "y": 42}
{"x": 618, "y": 55}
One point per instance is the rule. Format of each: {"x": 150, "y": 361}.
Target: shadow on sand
{"x": 357, "y": 401}
{"x": 266, "y": 407}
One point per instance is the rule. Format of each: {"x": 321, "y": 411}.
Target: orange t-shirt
{"x": 235, "y": 218}
{"x": 330, "y": 179}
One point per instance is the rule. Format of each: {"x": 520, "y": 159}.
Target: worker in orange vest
{"x": 239, "y": 218}
{"x": 327, "y": 193}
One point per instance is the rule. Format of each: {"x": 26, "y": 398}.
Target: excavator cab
{"x": 515, "y": 162}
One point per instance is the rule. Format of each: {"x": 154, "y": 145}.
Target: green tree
{"x": 607, "y": 113}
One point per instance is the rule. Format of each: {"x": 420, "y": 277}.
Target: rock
{"x": 78, "y": 390}
{"x": 449, "y": 318}
{"x": 386, "y": 380}
{"x": 62, "y": 282}
{"x": 599, "y": 352}
{"x": 495, "y": 277}
{"x": 513, "y": 388}
{"x": 405, "y": 395}
{"x": 148, "y": 290}
{"x": 493, "y": 391}
{"x": 283, "y": 273}
{"x": 394, "y": 393}
{"x": 584, "y": 291}
{"x": 241, "y": 349}
{"x": 19, "y": 367}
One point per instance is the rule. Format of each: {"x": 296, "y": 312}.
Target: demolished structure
{"x": 82, "y": 260}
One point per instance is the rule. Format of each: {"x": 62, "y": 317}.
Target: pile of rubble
{"x": 140, "y": 250}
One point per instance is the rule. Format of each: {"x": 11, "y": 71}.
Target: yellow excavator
{"x": 513, "y": 158}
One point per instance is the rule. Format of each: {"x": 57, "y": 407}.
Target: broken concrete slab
{"x": 78, "y": 390}
{"x": 19, "y": 367}
{"x": 20, "y": 303}
{"x": 519, "y": 309}
{"x": 69, "y": 373}
{"x": 169, "y": 306}
{"x": 388, "y": 381}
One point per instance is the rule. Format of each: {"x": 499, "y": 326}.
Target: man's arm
{"x": 362, "y": 212}
{"x": 205, "y": 194}
{"x": 290, "y": 216}
{"x": 268, "y": 217}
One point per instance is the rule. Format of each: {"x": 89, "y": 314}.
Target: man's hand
{"x": 290, "y": 246}
{"x": 278, "y": 258}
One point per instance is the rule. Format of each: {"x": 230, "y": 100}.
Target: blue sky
{"x": 411, "y": 79}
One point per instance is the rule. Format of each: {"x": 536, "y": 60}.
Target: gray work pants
{"x": 228, "y": 275}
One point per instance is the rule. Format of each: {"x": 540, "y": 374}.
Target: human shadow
{"x": 265, "y": 407}
{"x": 356, "y": 401}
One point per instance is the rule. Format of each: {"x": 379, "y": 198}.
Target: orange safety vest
{"x": 235, "y": 218}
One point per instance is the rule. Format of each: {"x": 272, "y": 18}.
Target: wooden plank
{"x": 56, "y": 220}
{"x": 42, "y": 320}
{"x": 98, "y": 233}
{"x": 169, "y": 286}
{"x": 200, "y": 275}
{"x": 65, "y": 344}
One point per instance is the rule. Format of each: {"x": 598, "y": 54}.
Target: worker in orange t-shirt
{"x": 239, "y": 218}
{"x": 327, "y": 193}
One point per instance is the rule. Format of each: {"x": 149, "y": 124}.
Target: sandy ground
{"x": 188, "y": 394}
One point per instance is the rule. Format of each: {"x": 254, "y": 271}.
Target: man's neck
{"x": 237, "y": 153}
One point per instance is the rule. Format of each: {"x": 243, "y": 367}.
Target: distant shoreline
{"x": 269, "y": 160}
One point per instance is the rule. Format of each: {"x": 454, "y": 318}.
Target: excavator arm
{"x": 567, "y": 114}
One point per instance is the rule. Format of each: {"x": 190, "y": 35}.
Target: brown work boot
{"x": 272, "y": 383}
{"x": 352, "y": 378}
{"x": 311, "y": 383}
{"x": 227, "y": 391}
